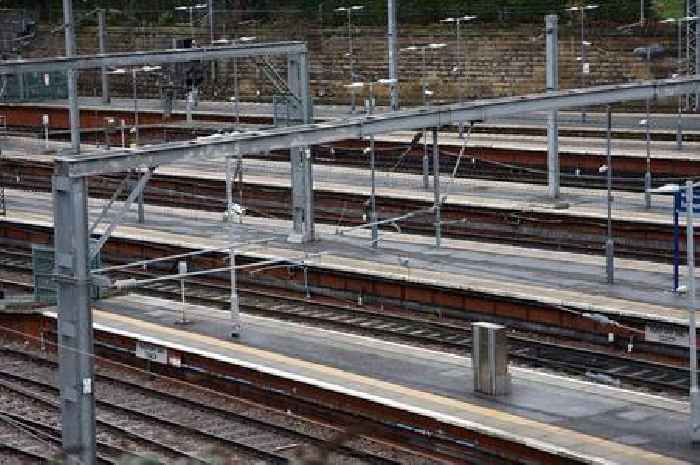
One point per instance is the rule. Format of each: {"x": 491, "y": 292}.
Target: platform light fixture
{"x": 370, "y": 151}
{"x": 190, "y": 9}
{"x": 425, "y": 94}
{"x": 680, "y": 21}
{"x": 348, "y": 10}
{"x": 585, "y": 67}
{"x": 134, "y": 71}
{"x": 457, "y": 21}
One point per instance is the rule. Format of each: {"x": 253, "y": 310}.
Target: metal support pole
{"x": 236, "y": 93}
{"x": 436, "y": 188}
{"x": 679, "y": 125}
{"x": 102, "y": 39}
{"x": 426, "y": 162}
{"x": 136, "y": 109}
{"x": 188, "y": 107}
{"x": 692, "y": 329}
{"x": 697, "y": 53}
{"x": 609, "y": 243}
{"x": 462, "y": 62}
{"x": 20, "y": 84}
{"x": 352, "y": 60}
{"x": 552, "y": 31}
{"x": 235, "y": 306}
{"x": 300, "y": 157}
{"x": 75, "y": 337}
{"x": 141, "y": 210}
{"x": 72, "y": 76}
{"x": 373, "y": 196}
{"x": 647, "y": 175}
{"x": 584, "y": 56}
{"x": 393, "y": 54}
{"x": 210, "y": 5}
{"x": 229, "y": 188}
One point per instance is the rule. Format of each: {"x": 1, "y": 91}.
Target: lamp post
{"x": 679, "y": 22}
{"x": 585, "y": 67}
{"x": 648, "y": 53}
{"x": 463, "y": 65}
{"x": 370, "y": 110}
{"x": 190, "y": 10}
{"x": 145, "y": 69}
{"x": 236, "y": 87}
{"x": 424, "y": 90}
{"x": 348, "y": 10}
{"x": 692, "y": 330}
{"x": 607, "y": 168}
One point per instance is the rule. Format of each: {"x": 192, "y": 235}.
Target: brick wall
{"x": 498, "y": 62}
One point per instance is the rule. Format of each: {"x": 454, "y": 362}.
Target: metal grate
{"x": 42, "y": 274}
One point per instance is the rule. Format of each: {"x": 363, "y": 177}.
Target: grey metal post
{"x": 102, "y": 39}
{"x": 552, "y": 31}
{"x": 436, "y": 188}
{"x": 647, "y": 175}
{"x": 679, "y": 125}
{"x": 697, "y": 54}
{"x": 393, "y": 54}
{"x": 210, "y": 5}
{"x": 692, "y": 329}
{"x": 584, "y": 56}
{"x": 136, "y": 109}
{"x": 609, "y": 243}
{"x": 229, "y": 188}
{"x": 236, "y": 93}
{"x": 72, "y": 76}
{"x": 20, "y": 84}
{"x": 75, "y": 337}
{"x": 462, "y": 63}
{"x": 426, "y": 162}
{"x": 300, "y": 157}
{"x": 351, "y": 55}
{"x": 141, "y": 211}
{"x": 373, "y": 196}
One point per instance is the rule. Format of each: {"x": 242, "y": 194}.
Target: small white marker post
{"x": 45, "y": 123}
{"x": 182, "y": 269}
{"x": 690, "y": 251}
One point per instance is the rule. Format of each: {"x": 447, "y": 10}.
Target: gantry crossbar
{"x": 311, "y": 134}
{"x": 151, "y": 57}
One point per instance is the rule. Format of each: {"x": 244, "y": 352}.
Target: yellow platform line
{"x": 547, "y": 434}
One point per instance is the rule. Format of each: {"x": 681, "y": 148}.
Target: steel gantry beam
{"x": 312, "y": 134}
{"x": 151, "y": 57}
{"x": 72, "y": 233}
{"x": 73, "y": 280}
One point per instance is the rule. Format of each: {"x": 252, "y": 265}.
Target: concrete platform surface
{"x": 577, "y": 281}
{"x": 604, "y": 424}
{"x": 567, "y": 118}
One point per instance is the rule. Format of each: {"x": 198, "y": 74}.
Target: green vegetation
{"x": 410, "y": 11}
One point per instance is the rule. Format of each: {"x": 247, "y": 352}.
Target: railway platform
{"x": 572, "y": 418}
{"x": 555, "y": 279}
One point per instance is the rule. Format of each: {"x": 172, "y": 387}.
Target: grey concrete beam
{"x": 151, "y": 57}
{"x": 313, "y": 134}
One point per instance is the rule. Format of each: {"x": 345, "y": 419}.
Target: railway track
{"x": 609, "y": 365}
{"x": 200, "y": 424}
{"x": 550, "y": 230}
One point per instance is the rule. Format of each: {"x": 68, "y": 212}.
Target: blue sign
{"x": 681, "y": 204}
